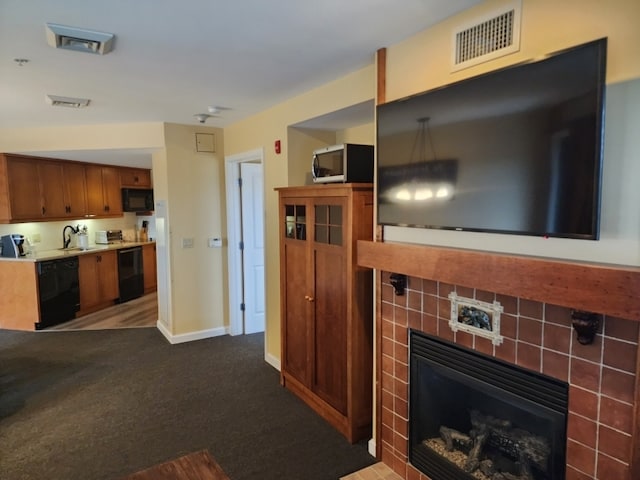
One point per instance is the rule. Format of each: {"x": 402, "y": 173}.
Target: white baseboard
{"x": 372, "y": 447}
{"x": 191, "y": 336}
{"x": 273, "y": 361}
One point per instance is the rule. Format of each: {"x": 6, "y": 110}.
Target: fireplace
{"x": 472, "y": 416}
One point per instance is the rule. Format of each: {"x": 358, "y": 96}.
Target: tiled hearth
{"x": 537, "y": 336}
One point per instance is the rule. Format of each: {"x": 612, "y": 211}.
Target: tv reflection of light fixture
{"x": 422, "y": 180}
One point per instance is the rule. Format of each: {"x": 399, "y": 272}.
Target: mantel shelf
{"x": 606, "y": 289}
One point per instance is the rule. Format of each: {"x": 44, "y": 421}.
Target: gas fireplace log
{"x": 473, "y": 461}
{"x": 453, "y": 438}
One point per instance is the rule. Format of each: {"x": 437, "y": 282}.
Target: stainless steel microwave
{"x": 347, "y": 162}
{"x": 137, "y": 200}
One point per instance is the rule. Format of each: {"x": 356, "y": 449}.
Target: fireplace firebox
{"x": 472, "y": 416}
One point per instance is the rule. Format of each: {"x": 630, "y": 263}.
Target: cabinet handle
{"x": 308, "y": 298}
{"x": 43, "y": 210}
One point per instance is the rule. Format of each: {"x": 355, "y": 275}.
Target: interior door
{"x": 253, "y": 252}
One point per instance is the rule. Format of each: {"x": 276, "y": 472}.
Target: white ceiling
{"x": 173, "y": 59}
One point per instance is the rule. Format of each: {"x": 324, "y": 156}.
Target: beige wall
{"x": 194, "y": 191}
{"x": 260, "y": 131}
{"x": 548, "y": 26}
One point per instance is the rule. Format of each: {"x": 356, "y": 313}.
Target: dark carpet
{"x": 105, "y": 404}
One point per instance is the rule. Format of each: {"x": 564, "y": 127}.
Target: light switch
{"x": 215, "y": 242}
{"x": 187, "y": 243}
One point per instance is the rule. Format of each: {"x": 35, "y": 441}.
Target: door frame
{"x": 234, "y": 232}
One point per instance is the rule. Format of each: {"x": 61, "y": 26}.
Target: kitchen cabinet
{"x": 98, "y": 279}
{"x": 326, "y": 302}
{"x": 135, "y": 177}
{"x": 149, "y": 267}
{"x": 41, "y": 189}
{"x": 103, "y": 190}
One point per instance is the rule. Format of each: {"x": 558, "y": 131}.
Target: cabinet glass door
{"x": 295, "y": 222}
{"x": 328, "y": 224}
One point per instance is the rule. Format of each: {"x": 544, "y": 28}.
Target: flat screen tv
{"x": 517, "y": 150}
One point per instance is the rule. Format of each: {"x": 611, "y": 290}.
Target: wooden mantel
{"x": 599, "y": 288}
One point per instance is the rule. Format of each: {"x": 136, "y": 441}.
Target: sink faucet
{"x": 66, "y": 239}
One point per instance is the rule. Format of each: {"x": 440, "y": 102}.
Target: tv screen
{"x": 518, "y": 150}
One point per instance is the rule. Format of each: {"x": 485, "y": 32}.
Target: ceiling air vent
{"x": 489, "y": 37}
{"x": 79, "y": 39}
{"x": 71, "y": 102}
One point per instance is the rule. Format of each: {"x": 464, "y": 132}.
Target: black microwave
{"x": 137, "y": 199}
{"x": 347, "y": 162}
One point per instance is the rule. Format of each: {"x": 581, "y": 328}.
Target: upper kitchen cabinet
{"x": 103, "y": 191}
{"x": 135, "y": 178}
{"x": 34, "y": 189}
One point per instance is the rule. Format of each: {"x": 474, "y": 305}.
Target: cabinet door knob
{"x": 311, "y": 299}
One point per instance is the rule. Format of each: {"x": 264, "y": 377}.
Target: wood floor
{"x": 195, "y": 466}
{"x": 140, "y": 312}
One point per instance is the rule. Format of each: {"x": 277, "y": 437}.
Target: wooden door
{"x": 75, "y": 190}
{"x": 295, "y": 290}
{"x": 330, "y": 301}
{"x": 111, "y": 190}
{"x": 51, "y": 184}
{"x": 88, "y": 281}
{"x": 149, "y": 267}
{"x": 108, "y": 287}
{"x": 95, "y": 197}
{"x": 24, "y": 188}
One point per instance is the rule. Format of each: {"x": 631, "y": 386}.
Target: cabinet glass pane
{"x": 335, "y": 215}
{"x": 295, "y": 221}
{"x": 321, "y": 214}
{"x": 335, "y": 235}
{"x": 322, "y": 234}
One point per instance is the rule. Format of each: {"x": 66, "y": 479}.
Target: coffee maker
{"x": 12, "y": 245}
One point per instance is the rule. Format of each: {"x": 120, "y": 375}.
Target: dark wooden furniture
{"x": 326, "y": 302}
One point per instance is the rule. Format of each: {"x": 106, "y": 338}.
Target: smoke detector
{"x": 71, "y": 102}
{"x": 79, "y": 39}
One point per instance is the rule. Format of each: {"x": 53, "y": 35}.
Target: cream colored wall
{"x": 260, "y": 131}
{"x": 196, "y": 209}
{"x": 548, "y": 26}
{"x": 82, "y": 137}
{"x": 364, "y": 134}
{"x": 301, "y": 143}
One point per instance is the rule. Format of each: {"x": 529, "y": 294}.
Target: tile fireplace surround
{"x": 602, "y": 429}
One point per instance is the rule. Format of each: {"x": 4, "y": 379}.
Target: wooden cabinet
{"x": 41, "y": 189}
{"x": 149, "y": 267}
{"x": 98, "y": 278}
{"x": 326, "y": 302}
{"x": 135, "y": 177}
{"x": 103, "y": 191}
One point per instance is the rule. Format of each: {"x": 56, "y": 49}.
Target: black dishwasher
{"x": 130, "y": 274}
{"x": 58, "y": 291}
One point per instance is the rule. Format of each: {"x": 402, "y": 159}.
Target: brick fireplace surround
{"x": 602, "y": 429}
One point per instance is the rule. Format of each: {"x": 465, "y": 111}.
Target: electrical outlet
{"x": 35, "y": 238}
{"x": 187, "y": 243}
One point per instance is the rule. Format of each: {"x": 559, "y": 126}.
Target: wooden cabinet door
{"x": 88, "y": 281}
{"x": 108, "y": 272}
{"x": 149, "y": 267}
{"x": 75, "y": 190}
{"x": 95, "y": 196}
{"x": 137, "y": 178}
{"x": 111, "y": 190}
{"x": 295, "y": 290}
{"x": 24, "y": 189}
{"x": 51, "y": 176}
{"x": 330, "y": 301}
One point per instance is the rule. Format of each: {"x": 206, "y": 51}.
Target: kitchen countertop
{"x": 55, "y": 254}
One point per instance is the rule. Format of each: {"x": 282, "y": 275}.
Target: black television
{"x": 516, "y": 150}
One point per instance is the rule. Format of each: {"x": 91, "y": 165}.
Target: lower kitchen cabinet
{"x": 149, "y": 267}
{"x": 326, "y": 302}
{"x": 98, "y": 278}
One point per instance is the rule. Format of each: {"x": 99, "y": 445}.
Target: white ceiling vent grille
{"x": 71, "y": 102}
{"x": 79, "y": 39}
{"x": 487, "y": 38}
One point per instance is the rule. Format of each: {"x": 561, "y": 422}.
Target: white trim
{"x": 234, "y": 227}
{"x": 371, "y": 446}
{"x": 271, "y": 360}
{"x": 191, "y": 336}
